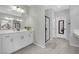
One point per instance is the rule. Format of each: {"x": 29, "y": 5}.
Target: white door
{"x": 47, "y": 28}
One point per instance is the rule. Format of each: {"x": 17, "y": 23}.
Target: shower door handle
{"x": 45, "y": 28}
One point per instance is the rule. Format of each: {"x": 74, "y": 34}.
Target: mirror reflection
{"x": 10, "y": 22}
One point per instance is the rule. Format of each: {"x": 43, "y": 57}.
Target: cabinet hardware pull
{"x": 22, "y": 37}
{"x": 29, "y": 35}
{"x": 11, "y": 40}
{"x": 1, "y": 38}
{"x": 6, "y": 36}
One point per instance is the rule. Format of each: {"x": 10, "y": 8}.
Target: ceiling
{"x": 7, "y": 9}
{"x": 57, "y": 7}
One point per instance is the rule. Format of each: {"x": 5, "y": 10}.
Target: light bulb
{"x": 18, "y": 20}
{"x": 6, "y": 18}
{"x": 22, "y": 11}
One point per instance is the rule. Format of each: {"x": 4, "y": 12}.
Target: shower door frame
{"x": 46, "y": 29}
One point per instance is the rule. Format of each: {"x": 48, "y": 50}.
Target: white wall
{"x": 37, "y": 14}
{"x": 27, "y": 20}
{"x": 74, "y": 15}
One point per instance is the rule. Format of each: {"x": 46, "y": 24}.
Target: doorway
{"x": 62, "y": 24}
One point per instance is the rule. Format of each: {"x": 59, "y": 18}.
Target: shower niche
{"x": 61, "y": 26}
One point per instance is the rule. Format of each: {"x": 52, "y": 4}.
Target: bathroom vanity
{"x": 11, "y": 41}
{"x": 15, "y": 31}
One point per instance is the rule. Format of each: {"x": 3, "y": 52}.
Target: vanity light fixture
{"x": 13, "y": 7}
{"x": 18, "y": 9}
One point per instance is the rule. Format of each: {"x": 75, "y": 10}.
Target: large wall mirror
{"x": 7, "y": 22}
{"x": 61, "y": 26}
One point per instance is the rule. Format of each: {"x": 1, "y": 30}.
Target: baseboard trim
{"x": 39, "y": 45}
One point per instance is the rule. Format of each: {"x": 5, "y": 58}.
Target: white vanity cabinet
{"x": 26, "y": 39}
{"x": 8, "y": 43}
{"x": 30, "y": 37}
{"x": 11, "y": 42}
{"x": 0, "y": 44}
{"x": 22, "y": 39}
{"x": 17, "y": 42}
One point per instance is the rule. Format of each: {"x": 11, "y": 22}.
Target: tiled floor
{"x": 55, "y": 46}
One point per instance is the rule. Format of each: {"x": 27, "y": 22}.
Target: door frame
{"x": 59, "y": 26}
{"x": 46, "y": 28}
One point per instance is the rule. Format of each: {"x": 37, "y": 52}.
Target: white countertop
{"x": 11, "y": 31}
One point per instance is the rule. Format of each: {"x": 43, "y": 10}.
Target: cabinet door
{"x": 24, "y": 39}
{"x": 8, "y": 46}
{"x": 30, "y": 35}
{"x": 17, "y": 41}
{"x": 28, "y": 39}
{"x": 1, "y": 44}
